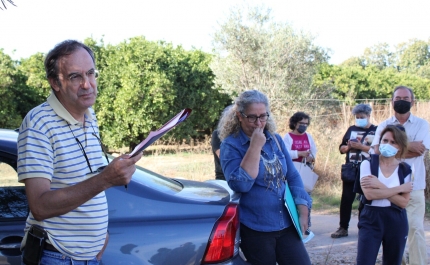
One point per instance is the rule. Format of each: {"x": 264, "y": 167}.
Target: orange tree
{"x": 143, "y": 84}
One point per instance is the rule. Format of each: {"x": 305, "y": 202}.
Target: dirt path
{"x": 328, "y": 251}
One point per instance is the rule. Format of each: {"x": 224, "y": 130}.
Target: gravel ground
{"x": 328, "y": 251}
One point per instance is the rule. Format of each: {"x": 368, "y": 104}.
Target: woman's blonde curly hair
{"x": 230, "y": 124}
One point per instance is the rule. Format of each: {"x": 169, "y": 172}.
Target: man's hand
{"x": 417, "y": 147}
{"x": 46, "y": 203}
{"x": 120, "y": 170}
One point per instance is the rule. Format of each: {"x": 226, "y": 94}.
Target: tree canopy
{"x": 252, "y": 51}
{"x": 16, "y": 97}
{"x": 379, "y": 70}
{"x": 143, "y": 83}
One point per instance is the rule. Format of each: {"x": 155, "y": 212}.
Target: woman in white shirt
{"x": 299, "y": 143}
{"x": 383, "y": 218}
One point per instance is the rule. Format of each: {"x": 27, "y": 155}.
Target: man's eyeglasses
{"x": 253, "y": 118}
{"x": 77, "y": 79}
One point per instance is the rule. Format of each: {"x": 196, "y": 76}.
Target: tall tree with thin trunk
{"x": 252, "y": 51}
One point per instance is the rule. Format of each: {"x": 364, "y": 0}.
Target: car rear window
{"x": 13, "y": 202}
{"x": 156, "y": 181}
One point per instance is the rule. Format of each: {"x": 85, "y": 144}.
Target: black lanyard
{"x": 83, "y": 149}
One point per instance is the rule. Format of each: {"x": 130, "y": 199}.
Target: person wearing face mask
{"x": 257, "y": 165}
{"x": 417, "y": 131}
{"x": 356, "y": 146}
{"x": 299, "y": 143}
{"x": 386, "y": 185}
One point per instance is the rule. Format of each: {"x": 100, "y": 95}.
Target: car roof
{"x": 8, "y": 140}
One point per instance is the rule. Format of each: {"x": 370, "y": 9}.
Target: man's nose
{"x": 86, "y": 82}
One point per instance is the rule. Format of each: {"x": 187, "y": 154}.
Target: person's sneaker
{"x": 341, "y": 232}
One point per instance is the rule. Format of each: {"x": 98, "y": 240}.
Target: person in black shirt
{"x": 356, "y": 144}
{"x": 216, "y": 145}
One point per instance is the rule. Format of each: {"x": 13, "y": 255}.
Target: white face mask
{"x": 361, "y": 122}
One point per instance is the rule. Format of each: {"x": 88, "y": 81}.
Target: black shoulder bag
{"x": 350, "y": 171}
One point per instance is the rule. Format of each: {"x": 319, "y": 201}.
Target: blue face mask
{"x": 361, "y": 122}
{"x": 387, "y": 150}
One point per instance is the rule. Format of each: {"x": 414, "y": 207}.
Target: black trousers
{"x": 268, "y": 248}
{"x": 386, "y": 225}
{"x": 346, "y": 201}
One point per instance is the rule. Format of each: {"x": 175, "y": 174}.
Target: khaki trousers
{"x": 416, "y": 239}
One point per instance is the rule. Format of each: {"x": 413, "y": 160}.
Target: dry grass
{"x": 189, "y": 165}
{"x": 328, "y": 127}
{"x": 8, "y": 176}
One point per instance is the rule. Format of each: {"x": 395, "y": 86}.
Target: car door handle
{"x": 10, "y": 246}
{"x": 11, "y": 243}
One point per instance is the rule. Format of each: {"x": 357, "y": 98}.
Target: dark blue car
{"x": 158, "y": 220}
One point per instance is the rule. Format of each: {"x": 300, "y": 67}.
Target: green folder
{"x": 292, "y": 209}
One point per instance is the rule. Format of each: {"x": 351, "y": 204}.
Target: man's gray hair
{"x": 404, "y": 87}
{"x": 362, "y": 108}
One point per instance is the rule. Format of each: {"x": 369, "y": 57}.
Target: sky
{"x": 346, "y": 27}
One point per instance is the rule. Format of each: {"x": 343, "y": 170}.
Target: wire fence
{"x": 329, "y": 121}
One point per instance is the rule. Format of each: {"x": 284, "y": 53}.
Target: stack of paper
{"x": 155, "y": 135}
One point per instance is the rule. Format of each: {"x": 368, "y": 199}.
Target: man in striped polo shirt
{"x": 59, "y": 154}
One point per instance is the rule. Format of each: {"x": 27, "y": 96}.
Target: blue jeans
{"x": 56, "y": 258}
{"x": 269, "y": 248}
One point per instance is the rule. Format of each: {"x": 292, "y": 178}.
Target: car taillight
{"x": 224, "y": 240}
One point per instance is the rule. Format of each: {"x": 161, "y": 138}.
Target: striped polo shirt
{"x": 47, "y": 148}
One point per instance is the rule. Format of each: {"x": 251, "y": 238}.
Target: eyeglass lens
{"x": 253, "y": 118}
{"x": 78, "y": 79}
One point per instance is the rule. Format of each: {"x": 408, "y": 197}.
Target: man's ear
{"x": 55, "y": 83}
